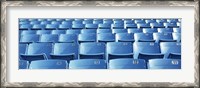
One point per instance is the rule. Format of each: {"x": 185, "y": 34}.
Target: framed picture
{"x": 100, "y": 43}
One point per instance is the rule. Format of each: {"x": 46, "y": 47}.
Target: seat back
{"x": 48, "y": 64}
{"x": 164, "y": 64}
{"x": 23, "y": 64}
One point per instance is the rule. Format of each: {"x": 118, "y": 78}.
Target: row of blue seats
{"x": 96, "y": 26}
{"x": 103, "y": 37}
{"x": 122, "y": 63}
{"x": 95, "y": 50}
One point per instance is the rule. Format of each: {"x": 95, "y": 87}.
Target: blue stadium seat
{"x": 23, "y": 64}
{"x": 56, "y": 23}
{"x": 73, "y": 31}
{"x": 139, "y": 21}
{"x": 106, "y": 37}
{"x": 48, "y": 64}
{"x": 164, "y": 30}
{"x": 147, "y": 50}
{"x": 22, "y": 49}
{"x": 40, "y": 32}
{"x": 134, "y": 30}
{"x": 41, "y": 19}
{"x": 87, "y": 37}
{"x": 171, "y": 25}
{"x": 119, "y": 31}
{"x": 49, "y": 19}
{"x": 33, "y": 19}
{"x": 65, "y": 51}
{"x": 177, "y": 36}
{"x": 91, "y": 26}
{"x": 150, "y": 30}
{"x": 104, "y": 26}
{"x": 51, "y": 27}
{"x": 117, "y": 26}
{"x": 88, "y": 64}
{"x": 37, "y": 51}
{"x": 29, "y": 38}
{"x": 52, "y": 38}
{"x": 24, "y": 32}
{"x": 107, "y": 21}
{"x": 25, "y": 27}
{"x": 38, "y": 27}
{"x": 34, "y": 22}
{"x": 144, "y": 37}
{"x": 163, "y": 37}
{"x": 131, "y": 26}
{"x": 127, "y": 64}
{"x": 172, "y": 50}
{"x": 143, "y": 25}
{"x": 70, "y": 38}
{"x": 88, "y": 21}
{"x": 88, "y": 31}
{"x": 157, "y": 25}
{"x": 98, "y": 21}
{"x": 120, "y": 21}
{"x": 172, "y": 20}
{"x": 177, "y": 30}
{"x": 23, "y": 19}
{"x": 24, "y": 22}
{"x": 128, "y": 21}
{"x": 60, "y": 19}
{"x": 64, "y": 26}
{"x": 104, "y": 31}
{"x": 119, "y": 50}
{"x": 58, "y": 32}
{"x": 92, "y": 50}
{"x": 45, "y": 22}
{"x": 164, "y": 64}
{"x": 150, "y": 20}
{"x": 66, "y": 23}
{"x": 161, "y": 20}
{"x": 124, "y": 37}
{"x": 78, "y": 26}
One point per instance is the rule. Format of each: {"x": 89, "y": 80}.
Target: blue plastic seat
{"x": 172, "y": 20}
{"x": 37, "y": 51}
{"x": 24, "y": 22}
{"x": 78, "y": 26}
{"x": 22, "y": 48}
{"x": 52, "y": 38}
{"x": 143, "y": 25}
{"x": 41, "y": 19}
{"x": 73, "y": 31}
{"x": 119, "y": 31}
{"x": 88, "y": 31}
{"x": 66, "y": 23}
{"x": 104, "y": 31}
{"x": 172, "y": 50}
{"x": 147, "y": 50}
{"x": 124, "y": 37}
{"x": 92, "y": 50}
{"x": 161, "y": 20}
{"x": 91, "y": 26}
{"x": 87, "y": 37}
{"x": 88, "y": 21}
{"x": 49, "y": 19}
{"x": 128, "y": 21}
{"x": 127, "y": 64}
{"x": 177, "y": 36}
{"x": 60, "y": 19}
{"x": 51, "y": 27}
{"x": 23, "y": 64}
{"x": 77, "y": 22}
{"x": 165, "y": 30}
{"x": 157, "y": 25}
{"x": 134, "y": 30}
{"x": 23, "y": 19}
{"x": 107, "y": 21}
{"x": 139, "y": 21}
{"x": 25, "y": 27}
{"x": 118, "y": 22}
{"x": 119, "y": 50}
{"x": 34, "y": 22}
{"x": 40, "y": 32}
{"x": 117, "y": 26}
{"x": 88, "y": 64}
{"x": 48, "y": 64}
{"x": 164, "y": 64}
{"x": 149, "y": 30}
{"x": 104, "y": 26}
{"x": 58, "y": 32}
{"x": 56, "y": 22}
{"x": 150, "y": 20}
{"x": 70, "y": 38}
{"x": 177, "y": 30}
{"x": 163, "y": 37}
{"x": 132, "y": 25}
{"x": 65, "y": 51}
{"x": 144, "y": 37}
{"x": 45, "y": 22}
{"x": 33, "y": 19}
{"x": 106, "y": 37}
{"x": 98, "y": 21}
{"x": 64, "y": 26}
{"x": 29, "y": 38}
{"x": 24, "y": 32}
{"x": 38, "y": 27}
{"x": 171, "y": 25}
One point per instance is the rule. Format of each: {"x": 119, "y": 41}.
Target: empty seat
{"x": 60, "y": 19}
{"x": 91, "y": 26}
{"x": 107, "y": 21}
{"x": 58, "y": 32}
{"x": 147, "y": 50}
{"x": 25, "y": 27}
{"x": 24, "y": 32}
{"x": 51, "y": 26}
{"x": 104, "y": 26}
{"x": 128, "y": 21}
{"x": 172, "y": 20}
{"x": 65, "y": 51}
{"x": 33, "y": 19}
{"x": 149, "y": 30}
{"x": 73, "y": 38}
{"x": 73, "y": 31}
{"x": 38, "y": 27}
{"x": 35, "y": 22}
{"x": 134, "y": 30}
{"x": 39, "y": 32}
{"x": 87, "y": 37}
{"x": 161, "y": 20}
{"x": 106, "y": 37}
{"x": 64, "y": 26}
{"x": 48, "y": 64}
{"x": 78, "y": 26}
{"x": 49, "y": 38}
{"x": 77, "y": 22}
{"x": 177, "y": 30}
{"x": 163, "y": 37}
{"x": 94, "y": 31}
{"x": 127, "y": 64}
{"x": 119, "y": 31}
{"x": 29, "y": 38}
{"x": 56, "y": 23}
{"x": 144, "y": 37}
{"x": 139, "y": 21}
{"x": 92, "y": 50}
{"x": 171, "y": 25}
{"x": 143, "y": 25}
{"x": 37, "y": 51}
{"x": 124, "y": 37}
{"x": 66, "y": 23}
{"x": 88, "y": 21}
{"x": 117, "y": 26}
{"x": 45, "y": 22}
{"x": 23, "y": 19}
{"x": 118, "y": 22}
{"x": 98, "y": 21}
{"x": 119, "y": 50}
{"x": 171, "y": 50}
{"x": 177, "y": 36}
{"x": 157, "y": 25}
{"x": 23, "y": 64}
{"x": 150, "y": 20}
{"x": 104, "y": 31}
{"x": 24, "y": 22}
{"x": 88, "y": 64}
{"x": 22, "y": 49}
{"x": 164, "y": 64}
{"x": 49, "y": 19}
{"x": 130, "y": 25}
{"x": 164, "y": 30}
